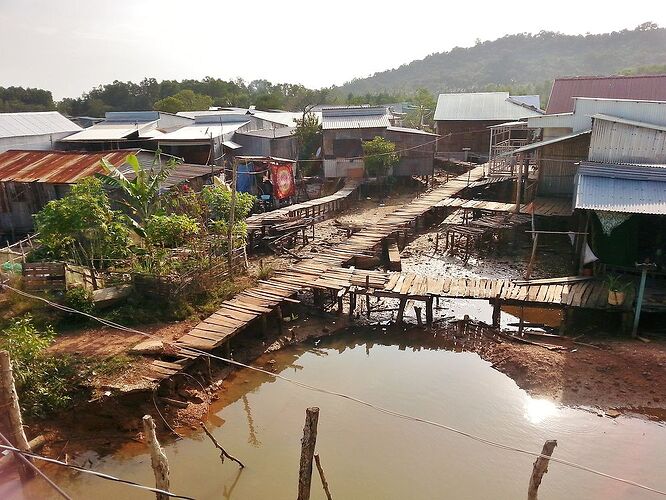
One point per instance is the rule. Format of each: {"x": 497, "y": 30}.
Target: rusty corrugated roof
{"x": 55, "y": 167}
{"x": 643, "y": 87}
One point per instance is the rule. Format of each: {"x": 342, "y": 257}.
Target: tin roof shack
{"x": 124, "y": 129}
{"x": 344, "y": 129}
{"x": 38, "y": 130}
{"x": 207, "y": 140}
{"x": 417, "y": 150}
{"x": 642, "y": 87}
{"x": 279, "y": 142}
{"x": 462, "y": 120}
{"x": 30, "y": 179}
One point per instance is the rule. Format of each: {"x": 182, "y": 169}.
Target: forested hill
{"x": 522, "y": 60}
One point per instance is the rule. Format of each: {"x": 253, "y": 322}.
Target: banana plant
{"x": 140, "y": 193}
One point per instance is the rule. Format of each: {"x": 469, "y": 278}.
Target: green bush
{"x": 171, "y": 230}
{"x": 82, "y": 228}
{"x": 79, "y": 298}
{"x": 45, "y": 383}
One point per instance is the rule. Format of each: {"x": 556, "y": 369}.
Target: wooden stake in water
{"x": 540, "y": 468}
{"x": 158, "y": 458}
{"x": 307, "y": 452}
{"x": 324, "y": 483}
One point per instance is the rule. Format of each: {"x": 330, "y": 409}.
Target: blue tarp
{"x": 244, "y": 178}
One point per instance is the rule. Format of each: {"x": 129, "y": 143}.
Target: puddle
{"x": 370, "y": 455}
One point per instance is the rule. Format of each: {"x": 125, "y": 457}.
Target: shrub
{"x": 82, "y": 228}
{"x": 45, "y": 383}
{"x": 171, "y": 230}
{"x": 79, "y": 298}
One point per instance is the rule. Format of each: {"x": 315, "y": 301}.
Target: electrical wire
{"x": 355, "y": 399}
{"x": 92, "y": 472}
{"x": 20, "y": 454}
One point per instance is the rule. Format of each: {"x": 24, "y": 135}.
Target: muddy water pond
{"x": 370, "y": 455}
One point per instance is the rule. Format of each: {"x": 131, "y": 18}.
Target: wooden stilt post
{"x": 232, "y": 209}
{"x": 341, "y": 294}
{"x": 530, "y": 266}
{"x": 227, "y": 349}
{"x": 367, "y": 295}
{"x": 324, "y": 483}
{"x": 278, "y": 314}
{"x": 307, "y": 452}
{"x": 264, "y": 326}
{"x": 540, "y": 468}
{"x": 158, "y": 458}
{"x": 497, "y": 311}
{"x": 12, "y": 413}
{"x": 429, "y": 312}
{"x": 401, "y": 309}
{"x": 352, "y": 303}
{"x": 417, "y": 312}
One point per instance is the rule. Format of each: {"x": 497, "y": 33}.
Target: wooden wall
{"x": 466, "y": 134}
{"x": 557, "y": 165}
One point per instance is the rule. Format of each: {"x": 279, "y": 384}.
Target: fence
{"x": 42, "y": 276}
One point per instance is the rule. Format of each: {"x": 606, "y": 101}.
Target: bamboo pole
{"x": 307, "y": 452}
{"x": 158, "y": 458}
{"x": 9, "y": 400}
{"x": 232, "y": 215}
{"x": 540, "y": 468}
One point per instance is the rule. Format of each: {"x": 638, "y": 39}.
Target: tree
{"x": 378, "y": 156}
{"x": 82, "y": 228}
{"x": 141, "y": 194}
{"x": 185, "y": 100}
{"x": 422, "y": 110}
{"x": 308, "y": 134}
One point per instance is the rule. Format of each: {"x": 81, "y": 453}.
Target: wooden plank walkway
{"x": 549, "y": 207}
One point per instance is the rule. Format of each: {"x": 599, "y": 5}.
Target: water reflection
{"x": 538, "y": 410}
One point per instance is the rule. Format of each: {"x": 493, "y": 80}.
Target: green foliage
{"x": 82, "y": 228}
{"x": 140, "y": 195}
{"x": 617, "y": 283}
{"x": 171, "y": 230}
{"x": 45, "y": 383}
{"x": 651, "y": 69}
{"x": 378, "y": 156}
{"x": 421, "y": 110}
{"x": 265, "y": 271}
{"x": 185, "y": 100}
{"x": 218, "y": 200}
{"x": 309, "y": 134}
{"x": 19, "y": 99}
{"x": 542, "y": 56}
{"x": 81, "y": 299}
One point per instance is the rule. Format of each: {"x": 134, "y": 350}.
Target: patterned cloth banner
{"x": 611, "y": 220}
{"x": 282, "y": 177}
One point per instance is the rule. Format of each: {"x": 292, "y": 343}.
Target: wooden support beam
{"x": 158, "y": 458}
{"x": 497, "y": 311}
{"x": 429, "y": 312}
{"x": 280, "y": 320}
{"x": 307, "y": 452}
{"x": 539, "y": 468}
{"x": 401, "y": 309}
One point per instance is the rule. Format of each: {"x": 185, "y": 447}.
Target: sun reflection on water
{"x": 538, "y": 410}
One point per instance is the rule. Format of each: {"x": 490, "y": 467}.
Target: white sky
{"x": 69, "y": 46}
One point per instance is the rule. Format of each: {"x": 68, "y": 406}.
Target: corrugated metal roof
{"x": 66, "y": 167}
{"x": 410, "y": 131}
{"x": 132, "y": 116}
{"x": 231, "y": 145}
{"x": 536, "y": 145}
{"x": 636, "y": 189}
{"x": 55, "y": 167}
{"x": 111, "y": 131}
{"x": 37, "y": 123}
{"x": 530, "y": 100}
{"x": 624, "y": 121}
{"x": 354, "y": 117}
{"x": 201, "y": 132}
{"x": 271, "y": 133}
{"x": 481, "y": 106}
{"x": 646, "y": 87}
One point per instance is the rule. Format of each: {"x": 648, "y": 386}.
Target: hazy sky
{"x": 69, "y": 46}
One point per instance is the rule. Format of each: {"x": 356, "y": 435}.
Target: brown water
{"x": 370, "y": 455}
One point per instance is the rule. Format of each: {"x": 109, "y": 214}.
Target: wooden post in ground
{"x": 519, "y": 182}
{"x": 280, "y": 319}
{"x": 540, "y": 468}
{"x": 307, "y": 452}
{"x": 367, "y": 295}
{"x": 230, "y": 229}
{"x": 530, "y": 266}
{"x": 352, "y": 304}
{"x": 417, "y": 313}
{"x": 158, "y": 458}
{"x": 10, "y": 408}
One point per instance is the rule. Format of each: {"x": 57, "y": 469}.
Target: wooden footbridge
{"x": 326, "y": 271}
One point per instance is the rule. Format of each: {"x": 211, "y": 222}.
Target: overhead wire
{"x": 359, "y": 401}
{"x": 102, "y": 475}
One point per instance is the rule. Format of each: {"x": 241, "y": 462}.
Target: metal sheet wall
{"x": 621, "y": 143}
